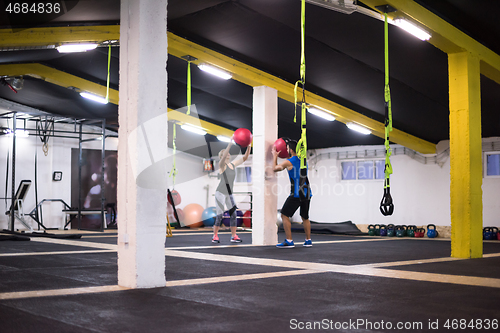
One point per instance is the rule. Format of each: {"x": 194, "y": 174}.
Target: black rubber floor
{"x": 355, "y": 253}
{"x": 483, "y": 267}
{"x": 358, "y": 303}
{"x": 268, "y": 305}
{"x": 24, "y": 273}
{"x": 33, "y": 246}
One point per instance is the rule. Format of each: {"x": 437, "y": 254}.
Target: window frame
{"x": 243, "y": 167}
{"x": 373, "y": 160}
{"x": 485, "y": 164}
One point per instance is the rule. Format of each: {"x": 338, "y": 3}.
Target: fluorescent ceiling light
{"x": 412, "y": 29}
{"x": 321, "y": 113}
{"x": 69, "y": 48}
{"x": 343, "y": 6}
{"x": 94, "y": 98}
{"x": 358, "y": 128}
{"x": 223, "y": 138}
{"x": 193, "y": 129}
{"x": 215, "y": 71}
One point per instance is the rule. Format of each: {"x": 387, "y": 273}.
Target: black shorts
{"x": 291, "y": 204}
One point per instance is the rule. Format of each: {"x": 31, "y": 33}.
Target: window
{"x": 492, "y": 164}
{"x": 348, "y": 170}
{"x": 380, "y": 169}
{"x": 244, "y": 175}
{"x": 363, "y": 170}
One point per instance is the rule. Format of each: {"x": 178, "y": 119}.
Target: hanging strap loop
{"x": 189, "y": 88}
{"x": 386, "y": 204}
{"x": 304, "y": 187}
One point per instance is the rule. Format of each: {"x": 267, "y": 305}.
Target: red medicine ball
{"x": 280, "y": 146}
{"x": 243, "y": 137}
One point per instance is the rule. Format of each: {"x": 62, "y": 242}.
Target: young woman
{"x": 223, "y": 194}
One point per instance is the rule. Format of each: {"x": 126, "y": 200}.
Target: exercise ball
{"x": 176, "y": 197}
{"x": 280, "y": 146}
{"x": 192, "y": 215}
{"x": 226, "y": 219}
{"x": 208, "y": 216}
{"x": 247, "y": 219}
{"x": 239, "y": 218}
{"x": 243, "y": 137}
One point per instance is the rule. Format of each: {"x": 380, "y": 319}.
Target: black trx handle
{"x": 386, "y": 205}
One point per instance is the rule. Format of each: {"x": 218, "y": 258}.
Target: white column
{"x": 265, "y": 196}
{"x": 143, "y": 100}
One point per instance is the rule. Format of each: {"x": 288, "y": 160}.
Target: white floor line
{"x": 113, "y": 247}
{"x": 52, "y": 253}
{"x": 101, "y": 246}
{"x": 355, "y": 269}
{"x": 219, "y": 246}
{"x": 370, "y": 270}
{"x": 60, "y": 292}
{"x": 242, "y": 277}
{"x": 175, "y": 283}
{"x": 410, "y": 262}
{"x": 313, "y": 268}
{"x": 491, "y": 255}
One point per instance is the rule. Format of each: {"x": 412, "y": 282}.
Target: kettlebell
{"x": 383, "y": 230}
{"x": 495, "y": 232}
{"x": 431, "y": 231}
{"x": 410, "y": 231}
{"x": 390, "y": 230}
{"x": 400, "y": 231}
{"x": 377, "y": 229}
{"x": 487, "y": 233}
{"x": 420, "y": 232}
{"x": 371, "y": 230}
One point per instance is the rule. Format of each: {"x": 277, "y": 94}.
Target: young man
{"x": 294, "y": 201}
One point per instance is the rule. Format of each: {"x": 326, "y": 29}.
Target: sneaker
{"x": 286, "y": 244}
{"x": 236, "y": 239}
{"x": 215, "y": 239}
{"x": 308, "y": 243}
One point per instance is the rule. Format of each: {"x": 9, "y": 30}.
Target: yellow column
{"x": 465, "y": 156}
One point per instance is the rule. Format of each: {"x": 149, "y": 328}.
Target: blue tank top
{"x": 294, "y": 175}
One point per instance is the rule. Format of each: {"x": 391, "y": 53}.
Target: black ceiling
{"x": 344, "y": 59}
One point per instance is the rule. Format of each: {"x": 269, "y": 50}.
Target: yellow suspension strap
{"x": 301, "y": 150}
{"x": 107, "y": 81}
{"x": 189, "y": 59}
{"x": 169, "y": 228}
{"x": 189, "y": 88}
{"x": 386, "y": 205}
